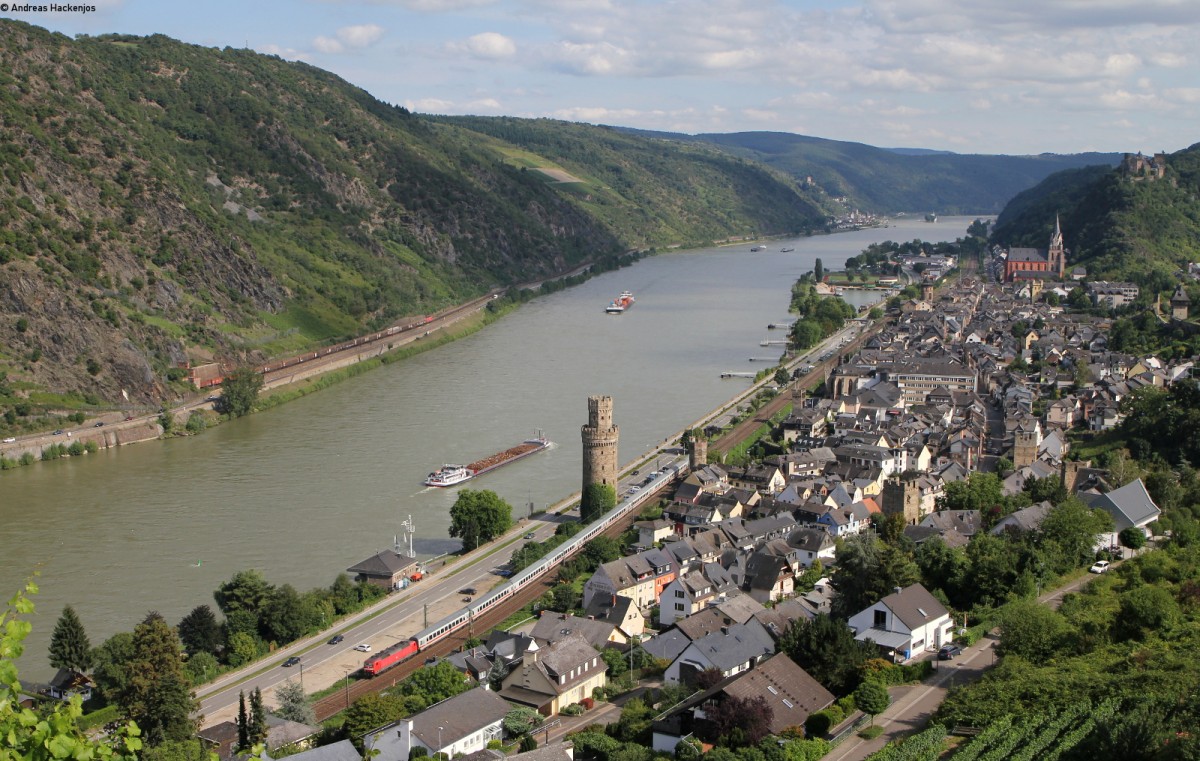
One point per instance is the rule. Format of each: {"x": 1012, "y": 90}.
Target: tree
{"x": 286, "y": 617}
{"x": 371, "y": 711}
{"x": 1146, "y": 609}
{"x": 158, "y": 694}
{"x": 243, "y": 722}
{"x": 478, "y": 517}
{"x": 868, "y": 570}
{"x": 435, "y": 683}
{"x": 1133, "y": 538}
{"x": 521, "y": 721}
{"x": 597, "y": 500}
{"x": 256, "y": 726}
{"x": 737, "y": 722}
{"x": 827, "y": 650}
{"x": 200, "y": 632}
{"x": 245, "y": 591}
{"x": 818, "y": 271}
{"x": 872, "y": 698}
{"x": 69, "y": 646}
{"x": 243, "y": 648}
{"x": 602, "y": 549}
{"x": 239, "y": 392}
{"x": 293, "y": 703}
{"x": 201, "y": 666}
{"x": 562, "y": 598}
{"x": 48, "y": 733}
{"x": 782, "y": 377}
{"x": 1072, "y": 528}
{"x": 875, "y": 313}
{"x": 1032, "y": 631}
{"x": 109, "y": 664}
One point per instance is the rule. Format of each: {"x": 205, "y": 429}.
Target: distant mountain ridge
{"x": 1126, "y": 223}
{"x": 890, "y": 180}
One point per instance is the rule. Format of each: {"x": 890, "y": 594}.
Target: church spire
{"x": 1057, "y": 254}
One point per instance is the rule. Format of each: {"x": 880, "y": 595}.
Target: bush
{"x": 818, "y": 724}
{"x": 574, "y": 709}
{"x": 196, "y": 422}
{"x": 588, "y": 704}
{"x": 1133, "y": 538}
{"x": 871, "y": 732}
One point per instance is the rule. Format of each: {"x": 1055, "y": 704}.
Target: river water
{"x": 303, "y": 491}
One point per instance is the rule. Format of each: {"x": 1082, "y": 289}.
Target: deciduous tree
{"x": 477, "y": 517}
{"x": 872, "y": 698}
{"x": 69, "y": 646}
{"x": 827, "y": 650}
{"x": 239, "y": 392}
{"x": 293, "y": 703}
{"x": 597, "y": 500}
{"x": 737, "y": 722}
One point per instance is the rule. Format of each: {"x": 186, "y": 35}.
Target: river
{"x": 305, "y": 490}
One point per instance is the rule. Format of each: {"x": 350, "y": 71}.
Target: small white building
{"x": 462, "y": 724}
{"x": 904, "y": 623}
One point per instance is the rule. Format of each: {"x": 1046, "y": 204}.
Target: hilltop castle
{"x": 1139, "y": 167}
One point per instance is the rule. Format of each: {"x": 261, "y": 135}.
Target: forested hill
{"x": 888, "y": 181}
{"x": 1121, "y": 225}
{"x": 163, "y": 202}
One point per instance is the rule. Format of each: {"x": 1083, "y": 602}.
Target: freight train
{"x": 402, "y": 651}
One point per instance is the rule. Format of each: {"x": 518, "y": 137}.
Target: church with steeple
{"x": 1036, "y": 263}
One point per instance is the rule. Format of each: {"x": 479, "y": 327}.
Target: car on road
{"x": 529, "y": 535}
{"x": 1100, "y": 566}
{"x": 59, "y": 432}
{"x": 129, "y": 417}
{"x": 635, "y": 471}
{"x": 363, "y": 648}
{"x": 949, "y": 651}
{"x": 467, "y": 591}
{"x": 10, "y": 440}
{"x": 99, "y": 424}
{"x": 293, "y": 661}
{"x": 634, "y": 489}
{"x": 336, "y": 639}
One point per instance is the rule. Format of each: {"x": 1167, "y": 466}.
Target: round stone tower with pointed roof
{"x": 600, "y": 444}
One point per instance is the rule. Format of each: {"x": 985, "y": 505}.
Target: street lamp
{"x": 347, "y": 688}
{"x": 302, "y": 675}
{"x": 439, "y": 750}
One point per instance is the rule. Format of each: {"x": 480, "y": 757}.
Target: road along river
{"x": 303, "y": 491}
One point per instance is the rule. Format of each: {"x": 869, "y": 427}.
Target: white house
{"x": 905, "y": 622}
{"x": 692, "y": 592}
{"x": 462, "y": 724}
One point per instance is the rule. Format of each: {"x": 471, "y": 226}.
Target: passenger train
{"x": 402, "y": 651}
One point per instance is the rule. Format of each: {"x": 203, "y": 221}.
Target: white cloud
{"x": 349, "y": 38}
{"x": 491, "y": 46}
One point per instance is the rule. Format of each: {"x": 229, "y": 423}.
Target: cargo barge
{"x": 620, "y": 303}
{"x": 449, "y": 475}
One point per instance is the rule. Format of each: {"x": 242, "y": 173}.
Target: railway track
{"x": 338, "y": 701}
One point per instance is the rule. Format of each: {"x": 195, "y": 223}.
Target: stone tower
{"x": 1057, "y": 254}
{"x": 699, "y": 457}
{"x": 1180, "y": 303}
{"x": 927, "y": 289}
{"x": 600, "y": 444}
{"x": 902, "y": 497}
{"x": 1025, "y": 446}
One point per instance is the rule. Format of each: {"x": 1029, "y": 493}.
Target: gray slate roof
{"x": 459, "y": 716}
{"x": 1129, "y": 506}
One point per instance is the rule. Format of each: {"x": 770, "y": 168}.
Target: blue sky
{"x": 972, "y": 76}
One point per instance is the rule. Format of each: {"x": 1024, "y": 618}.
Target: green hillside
{"x": 1120, "y": 226}
{"x": 163, "y": 202}
{"x": 888, "y": 181}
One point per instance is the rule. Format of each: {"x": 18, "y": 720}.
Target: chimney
{"x": 897, "y": 590}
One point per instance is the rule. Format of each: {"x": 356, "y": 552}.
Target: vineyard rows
{"x": 1044, "y": 737}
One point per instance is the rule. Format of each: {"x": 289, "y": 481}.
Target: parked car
{"x": 337, "y": 639}
{"x": 467, "y": 591}
{"x": 99, "y": 424}
{"x": 363, "y": 648}
{"x": 59, "y": 432}
{"x": 529, "y": 535}
{"x": 1100, "y": 566}
{"x": 10, "y": 440}
{"x": 949, "y": 651}
{"x": 293, "y": 661}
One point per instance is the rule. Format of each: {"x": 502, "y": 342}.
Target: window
{"x": 880, "y": 619}
{"x": 679, "y": 593}
{"x": 679, "y": 606}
